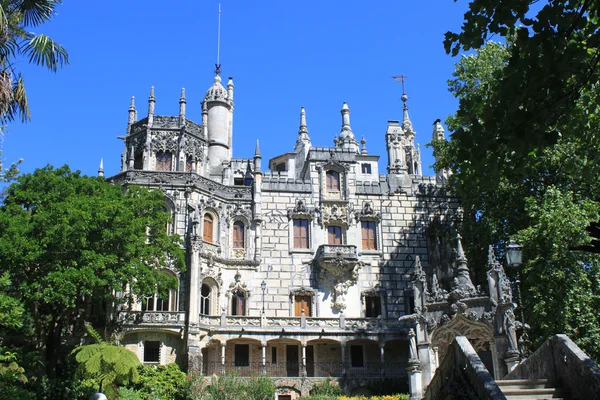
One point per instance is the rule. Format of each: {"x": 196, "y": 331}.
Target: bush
{"x": 327, "y": 388}
{"x": 229, "y": 387}
{"x": 163, "y": 382}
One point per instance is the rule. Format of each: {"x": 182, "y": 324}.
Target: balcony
{"x": 338, "y": 270}
{"x": 264, "y": 324}
{"x": 318, "y": 369}
{"x": 333, "y": 254}
{"x": 152, "y": 318}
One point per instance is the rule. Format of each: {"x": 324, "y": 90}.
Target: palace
{"x": 319, "y": 267}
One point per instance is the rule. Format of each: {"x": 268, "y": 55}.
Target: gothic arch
{"x": 480, "y": 334}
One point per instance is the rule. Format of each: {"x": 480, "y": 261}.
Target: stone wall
{"x": 565, "y": 364}
{"x": 463, "y": 375}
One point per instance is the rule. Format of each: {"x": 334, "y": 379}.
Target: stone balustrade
{"x": 177, "y": 318}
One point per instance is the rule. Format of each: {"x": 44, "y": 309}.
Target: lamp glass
{"x": 514, "y": 254}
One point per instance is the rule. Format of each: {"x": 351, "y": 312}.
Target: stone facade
{"x": 301, "y": 272}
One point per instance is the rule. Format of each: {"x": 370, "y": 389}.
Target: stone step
{"x": 538, "y": 389}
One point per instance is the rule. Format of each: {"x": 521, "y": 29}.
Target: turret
{"x": 346, "y": 139}
{"x": 219, "y": 121}
{"x": 101, "y": 168}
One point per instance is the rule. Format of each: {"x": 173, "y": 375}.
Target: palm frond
{"x": 42, "y": 50}
{"x": 36, "y": 12}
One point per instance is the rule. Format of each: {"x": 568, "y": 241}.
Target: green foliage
{"x": 17, "y": 17}
{"x": 68, "y": 239}
{"x": 230, "y": 387}
{"x": 544, "y": 197}
{"x": 327, "y": 387}
{"x": 163, "y": 382}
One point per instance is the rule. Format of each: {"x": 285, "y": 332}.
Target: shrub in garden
{"x": 328, "y": 388}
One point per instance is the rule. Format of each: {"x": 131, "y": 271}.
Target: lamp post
{"x": 514, "y": 258}
{"x": 263, "y": 286}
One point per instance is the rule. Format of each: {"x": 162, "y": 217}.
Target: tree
{"x": 552, "y": 64}
{"x": 544, "y": 200}
{"x": 16, "y": 18}
{"x": 74, "y": 246}
{"x": 107, "y": 363}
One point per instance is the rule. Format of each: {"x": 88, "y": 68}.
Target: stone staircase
{"x": 537, "y": 389}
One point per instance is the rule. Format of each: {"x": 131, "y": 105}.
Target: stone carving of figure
{"x": 511, "y": 334}
{"x": 413, "y": 346}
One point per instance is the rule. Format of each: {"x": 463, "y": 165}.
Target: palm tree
{"x": 16, "y": 18}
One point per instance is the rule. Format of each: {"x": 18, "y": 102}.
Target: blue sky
{"x": 281, "y": 54}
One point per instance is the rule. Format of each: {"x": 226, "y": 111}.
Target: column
{"x": 343, "y": 346}
{"x": 223, "y": 344}
{"x": 382, "y": 357}
{"x": 194, "y": 313}
{"x": 414, "y": 369}
{"x": 303, "y": 373}
{"x": 263, "y": 346}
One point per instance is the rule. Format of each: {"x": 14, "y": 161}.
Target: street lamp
{"x": 263, "y": 286}
{"x": 514, "y": 258}
{"x": 514, "y": 254}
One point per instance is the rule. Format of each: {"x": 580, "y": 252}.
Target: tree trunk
{"x": 53, "y": 347}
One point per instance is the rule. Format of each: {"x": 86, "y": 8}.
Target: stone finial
{"x": 462, "y": 280}
{"x": 182, "y": 106}
{"x": 303, "y": 128}
{"x": 406, "y": 123}
{"x": 230, "y": 87}
{"x": 101, "y": 168}
{"x": 345, "y": 115}
{"x": 363, "y": 145}
{"x": 257, "y": 150}
{"x": 151, "y": 101}
{"x": 438, "y": 130}
{"x": 132, "y": 114}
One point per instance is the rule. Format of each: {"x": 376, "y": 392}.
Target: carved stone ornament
{"x": 238, "y": 210}
{"x": 138, "y": 142}
{"x": 479, "y": 334}
{"x": 193, "y": 148}
{"x": 213, "y": 271}
{"x": 437, "y": 294}
{"x": 338, "y": 276}
{"x": 336, "y": 214}
{"x": 164, "y": 141}
{"x": 367, "y": 212}
{"x": 238, "y": 286}
{"x": 301, "y": 210}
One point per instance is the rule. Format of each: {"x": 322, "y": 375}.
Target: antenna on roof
{"x": 218, "y": 65}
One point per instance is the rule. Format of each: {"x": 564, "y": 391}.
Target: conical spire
{"x": 347, "y": 139}
{"x": 303, "y": 138}
{"x": 101, "y": 168}
{"x": 132, "y": 114}
{"x": 257, "y": 150}
{"x": 462, "y": 280}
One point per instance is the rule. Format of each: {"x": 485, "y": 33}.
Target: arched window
{"x": 333, "y": 181}
{"x": 158, "y": 303}
{"x": 205, "y": 299}
{"x": 238, "y": 303}
{"x": 238, "y": 235}
{"x": 163, "y": 161}
{"x": 208, "y": 228}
